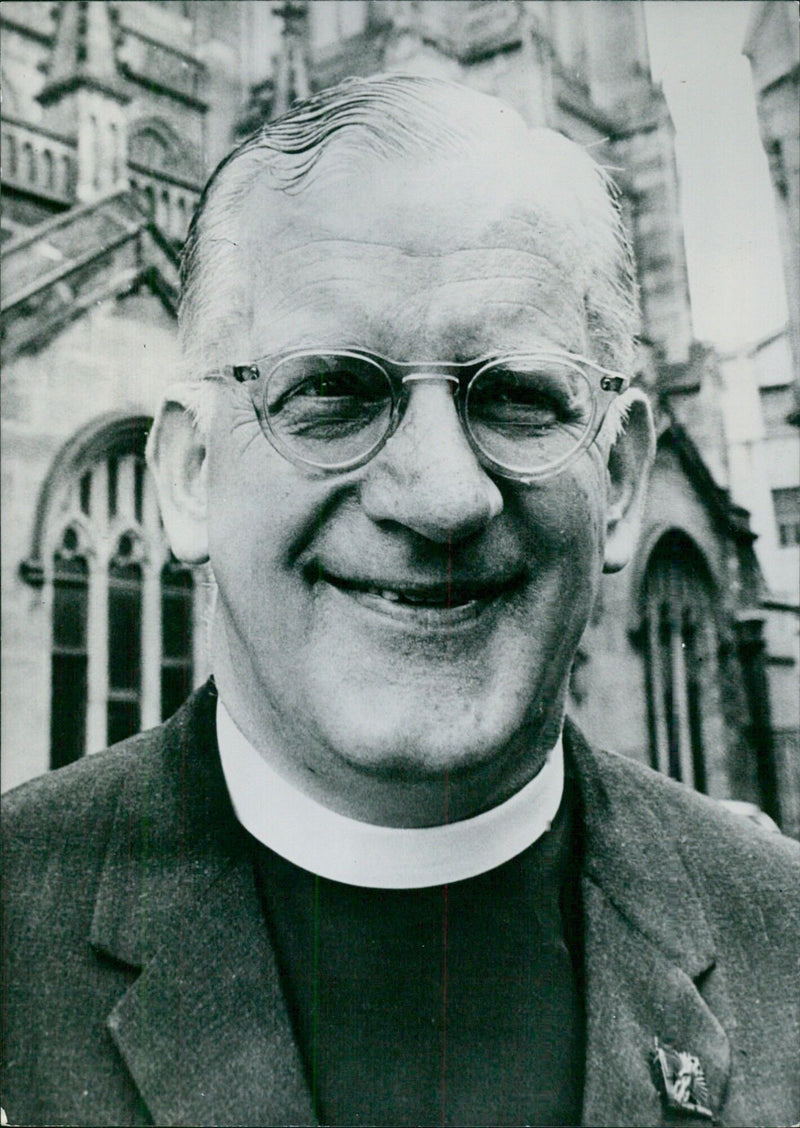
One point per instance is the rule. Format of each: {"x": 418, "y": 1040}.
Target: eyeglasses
{"x": 527, "y": 416}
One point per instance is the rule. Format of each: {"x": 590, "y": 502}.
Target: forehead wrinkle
{"x": 441, "y": 294}
{"x": 501, "y": 264}
{"x": 376, "y": 250}
{"x": 371, "y": 313}
{"x": 503, "y": 325}
{"x": 384, "y": 289}
{"x": 488, "y": 221}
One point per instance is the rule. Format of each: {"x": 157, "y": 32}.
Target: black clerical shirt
{"x": 453, "y": 1005}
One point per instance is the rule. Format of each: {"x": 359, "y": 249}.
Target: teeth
{"x": 405, "y": 597}
{"x": 394, "y": 596}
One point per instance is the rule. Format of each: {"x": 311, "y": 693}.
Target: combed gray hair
{"x": 385, "y": 117}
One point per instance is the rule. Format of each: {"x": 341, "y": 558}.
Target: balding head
{"x": 305, "y": 158}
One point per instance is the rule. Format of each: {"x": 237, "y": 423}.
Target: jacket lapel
{"x": 635, "y": 993}
{"x": 203, "y": 1030}
{"x": 648, "y": 950}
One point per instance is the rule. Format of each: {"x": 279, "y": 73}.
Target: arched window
{"x": 181, "y": 221}
{"x": 11, "y": 154}
{"x": 67, "y": 175}
{"x": 165, "y": 213}
{"x": 113, "y": 144}
{"x": 94, "y": 133}
{"x": 154, "y": 146}
{"x": 49, "y": 169}
{"x": 177, "y": 610}
{"x": 681, "y": 652}
{"x": 124, "y": 711}
{"x": 29, "y": 162}
{"x": 123, "y": 608}
{"x": 69, "y": 656}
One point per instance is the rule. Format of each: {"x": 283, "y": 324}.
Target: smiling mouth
{"x": 431, "y": 604}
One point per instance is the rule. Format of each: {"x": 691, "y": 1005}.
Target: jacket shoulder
{"x": 93, "y": 855}
{"x": 55, "y": 836}
{"x": 66, "y": 804}
{"x": 733, "y": 862}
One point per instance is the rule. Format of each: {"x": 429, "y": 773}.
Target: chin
{"x": 414, "y": 746}
{"x": 402, "y": 762}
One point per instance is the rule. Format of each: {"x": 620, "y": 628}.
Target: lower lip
{"x": 416, "y": 616}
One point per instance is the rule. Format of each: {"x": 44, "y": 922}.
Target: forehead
{"x": 468, "y": 253}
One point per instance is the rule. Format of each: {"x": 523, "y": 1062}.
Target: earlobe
{"x": 176, "y": 454}
{"x": 629, "y": 460}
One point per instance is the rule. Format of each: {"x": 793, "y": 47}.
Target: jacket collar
{"x": 204, "y": 1030}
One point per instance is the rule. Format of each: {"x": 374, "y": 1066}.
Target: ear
{"x": 630, "y": 457}
{"x": 176, "y": 454}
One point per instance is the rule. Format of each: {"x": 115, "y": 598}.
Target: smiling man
{"x": 367, "y": 875}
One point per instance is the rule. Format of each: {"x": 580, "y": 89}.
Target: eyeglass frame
{"x": 417, "y": 372}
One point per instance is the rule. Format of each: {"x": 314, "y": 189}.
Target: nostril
{"x": 437, "y": 500}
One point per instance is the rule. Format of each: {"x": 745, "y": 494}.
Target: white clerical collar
{"x": 380, "y": 857}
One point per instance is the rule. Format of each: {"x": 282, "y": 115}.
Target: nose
{"x": 427, "y": 477}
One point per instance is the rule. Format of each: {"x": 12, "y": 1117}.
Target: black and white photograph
{"x": 400, "y": 563}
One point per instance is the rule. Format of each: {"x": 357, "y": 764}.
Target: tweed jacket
{"x": 141, "y": 986}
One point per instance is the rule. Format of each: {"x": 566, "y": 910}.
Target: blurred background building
{"x": 113, "y": 115}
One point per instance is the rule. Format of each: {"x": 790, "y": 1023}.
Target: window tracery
{"x": 681, "y": 658}
{"x": 122, "y": 650}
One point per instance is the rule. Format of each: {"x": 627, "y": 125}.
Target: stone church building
{"x": 113, "y": 114}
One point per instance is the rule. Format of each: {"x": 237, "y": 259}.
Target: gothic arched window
{"x": 165, "y": 212}
{"x": 181, "y": 222}
{"x": 97, "y": 150}
{"x": 113, "y": 144}
{"x": 177, "y": 609}
{"x": 125, "y": 578}
{"x": 10, "y": 153}
{"x": 49, "y": 169}
{"x": 69, "y": 655}
{"x": 67, "y": 175}
{"x": 29, "y": 162}
{"x": 122, "y": 651}
{"x": 681, "y": 653}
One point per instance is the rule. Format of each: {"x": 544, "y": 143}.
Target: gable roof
{"x": 733, "y": 519}
{"x": 62, "y": 266}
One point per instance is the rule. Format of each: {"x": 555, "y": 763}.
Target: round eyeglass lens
{"x": 328, "y": 409}
{"x": 528, "y": 413}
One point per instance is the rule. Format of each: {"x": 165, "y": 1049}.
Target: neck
{"x": 387, "y": 797}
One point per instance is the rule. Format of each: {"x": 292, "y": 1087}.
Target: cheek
{"x": 563, "y": 521}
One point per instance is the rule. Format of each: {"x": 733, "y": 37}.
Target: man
{"x": 362, "y": 878}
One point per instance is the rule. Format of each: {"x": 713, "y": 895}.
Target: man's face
{"x": 413, "y": 621}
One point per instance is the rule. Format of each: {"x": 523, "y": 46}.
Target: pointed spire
{"x": 83, "y": 53}
{"x": 291, "y": 77}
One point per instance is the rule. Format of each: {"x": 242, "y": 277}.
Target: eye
{"x": 527, "y": 396}
{"x": 338, "y": 383}
{"x": 324, "y": 379}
